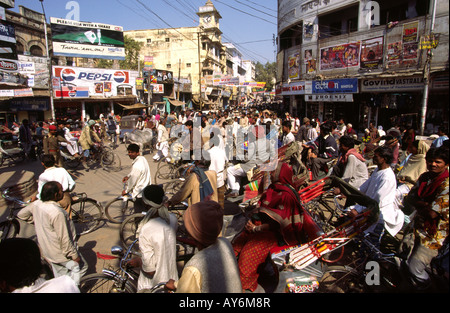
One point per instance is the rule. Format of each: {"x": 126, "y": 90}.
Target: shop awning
{"x": 136, "y": 106}
{"x": 175, "y": 102}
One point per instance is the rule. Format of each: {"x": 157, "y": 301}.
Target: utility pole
{"x": 179, "y": 84}
{"x": 199, "y": 73}
{"x": 423, "y": 113}
{"x": 49, "y": 64}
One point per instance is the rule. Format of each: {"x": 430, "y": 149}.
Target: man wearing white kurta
{"x": 139, "y": 177}
{"x": 381, "y": 187}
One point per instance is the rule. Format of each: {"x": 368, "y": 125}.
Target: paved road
{"x": 98, "y": 184}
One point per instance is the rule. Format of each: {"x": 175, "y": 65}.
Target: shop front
{"x": 389, "y": 101}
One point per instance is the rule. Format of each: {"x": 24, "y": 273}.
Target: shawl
{"x": 205, "y": 185}
{"x": 427, "y": 191}
{"x": 281, "y": 203}
{"x": 415, "y": 166}
{"x": 343, "y": 159}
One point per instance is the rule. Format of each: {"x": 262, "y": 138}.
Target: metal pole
{"x": 49, "y": 64}
{"x": 423, "y": 113}
{"x": 199, "y": 74}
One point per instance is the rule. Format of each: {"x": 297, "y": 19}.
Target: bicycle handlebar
{"x": 5, "y": 195}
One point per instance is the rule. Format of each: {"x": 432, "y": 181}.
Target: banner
{"x": 85, "y": 82}
{"x": 341, "y": 56}
{"x": 293, "y": 66}
{"x": 148, "y": 63}
{"x": 410, "y": 43}
{"x": 372, "y": 53}
{"x": 87, "y": 40}
{"x": 394, "y": 53}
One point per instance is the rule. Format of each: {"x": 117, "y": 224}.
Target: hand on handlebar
{"x": 170, "y": 285}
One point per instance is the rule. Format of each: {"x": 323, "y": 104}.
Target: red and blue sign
{"x": 344, "y": 85}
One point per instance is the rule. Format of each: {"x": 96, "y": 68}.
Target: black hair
{"x": 48, "y": 160}
{"x": 438, "y": 153}
{"x": 49, "y": 190}
{"x": 288, "y": 124}
{"x": 189, "y": 123}
{"x": 20, "y": 262}
{"x": 386, "y": 153}
{"x": 347, "y": 141}
{"x": 133, "y": 147}
{"x": 154, "y": 193}
{"x": 325, "y": 128}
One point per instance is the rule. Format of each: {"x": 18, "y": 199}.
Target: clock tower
{"x": 209, "y": 16}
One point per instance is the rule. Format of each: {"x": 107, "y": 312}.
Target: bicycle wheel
{"x": 165, "y": 172}
{"x": 72, "y": 163}
{"x": 118, "y": 209}
{"x": 86, "y": 215}
{"x": 9, "y": 229}
{"x": 110, "y": 161}
{"x": 172, "y": 187}
{"x": 128, "y": 230}
{"x": 102, "y": 283}
{"x": 341, "y": 279}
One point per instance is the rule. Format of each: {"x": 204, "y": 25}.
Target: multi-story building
{"x": 195, "y": 54}
{"x": 365, "y": 61}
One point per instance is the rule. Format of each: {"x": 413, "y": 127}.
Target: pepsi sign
{"x": 94, "y": 75}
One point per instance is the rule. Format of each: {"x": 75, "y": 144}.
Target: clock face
{"x": 207, "y": 19}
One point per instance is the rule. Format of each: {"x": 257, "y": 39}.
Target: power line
{"x": 246, "y": 12}
{"x": 255, "y": 9}
{"x": 262, "y": 6}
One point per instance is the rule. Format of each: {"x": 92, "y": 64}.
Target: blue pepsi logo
{"x": 68, "y": 74}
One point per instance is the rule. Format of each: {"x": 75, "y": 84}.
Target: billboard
{"x": 87, "y": 40}
{"x": 340, "y": 56}
{"x": 78, "y": 82}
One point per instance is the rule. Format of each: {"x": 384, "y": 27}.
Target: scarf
{"x": 281, "y": 203}
{"x": 428, "y": 187}
{"x": 352, "y": 151}
{"x": 205, "y": 185}
{"x": 156, "y": 209}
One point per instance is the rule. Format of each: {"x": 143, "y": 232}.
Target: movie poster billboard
{"x": 78, "y": 82}
{"x": 394, "y": 53}
{"x": 410, "y": 43}
{"x": 87, "y": 40}
{"x": 372, "y": 53}
{"x": 340, "y": 56}
{"x": 294, "y": 66}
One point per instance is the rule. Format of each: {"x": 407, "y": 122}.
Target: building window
{"x": 167, "y": 39}
{"x": 149, "y": 40}
{"x": 36, "y": 51}
{"x": 169, "y": 66}
{"x": 188, "y": 64}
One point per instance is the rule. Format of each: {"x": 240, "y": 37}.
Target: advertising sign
{"x": 87, "y": 40}
{"x": 341, "y": 56}
{"x": 294, "y": 65}
{"x": 297, "y": 88}
{"x": 85, "y": 82}
{"x": 392, "y": 84}
{"x": 372, "y": 53}
{"x": 345, "y": 85}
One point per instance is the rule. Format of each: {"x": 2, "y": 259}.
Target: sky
{"x": 249, "y": 24}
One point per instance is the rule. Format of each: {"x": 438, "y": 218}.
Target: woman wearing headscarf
{"x": 415, "y": 166}
{"x": 278, "y": 221}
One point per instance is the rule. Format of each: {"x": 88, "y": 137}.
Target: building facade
{"x": 382, "y": 61}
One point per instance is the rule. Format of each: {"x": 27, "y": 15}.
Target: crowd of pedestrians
{"x": 409, "y": 181}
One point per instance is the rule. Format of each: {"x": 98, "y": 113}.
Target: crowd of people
{"x": 410, "y": 183}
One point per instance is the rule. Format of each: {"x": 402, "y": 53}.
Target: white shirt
{"x": 288, "y": 138}
{"x": 381, "y": 187}
{"x": 139, "y": 177}
{"x": 58, "y": 174}
{"x": 218, "y": 159}
{"x": 157, "y": 243}
{"x": 61, "y": 284}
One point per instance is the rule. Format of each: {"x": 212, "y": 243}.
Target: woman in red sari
{"x": 278, "y": 221}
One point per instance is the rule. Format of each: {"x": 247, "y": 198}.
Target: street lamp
{"x": 49, "y": 63}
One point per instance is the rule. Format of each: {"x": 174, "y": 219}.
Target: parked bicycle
{"x": 116, "y": 280}
{"x": 86, "y": 214}
{"x": 11, "y": 151}
{"x": 170, "y": 169}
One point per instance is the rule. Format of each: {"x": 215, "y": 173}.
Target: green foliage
{"x": 266, "y": 73}
{"x": 132, "y": 49}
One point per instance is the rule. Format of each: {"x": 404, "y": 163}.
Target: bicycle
{"x": 123, "y": 279}
{"x": 106, "y": 157}
{"x": 86, "y": 214}
{"x": 170, "y": 169}
{"x": 119, "y": 208}
{"x": 369, "y": 270}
